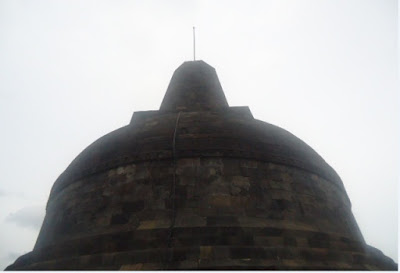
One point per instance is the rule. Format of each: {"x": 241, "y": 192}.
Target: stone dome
{"x": 199, "y": 185}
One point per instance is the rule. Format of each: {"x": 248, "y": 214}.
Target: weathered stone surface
{"x": 194, "y": 87}
{"x": 235, "y": 193}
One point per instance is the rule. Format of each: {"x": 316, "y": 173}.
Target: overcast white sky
{"x": 72, "y": 71}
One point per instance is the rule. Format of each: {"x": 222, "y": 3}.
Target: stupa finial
{"x": 194, "y": 87}
{"x": 194, "y": 44}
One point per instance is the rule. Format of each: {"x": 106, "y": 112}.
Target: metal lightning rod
{"x": 194, "y": 45}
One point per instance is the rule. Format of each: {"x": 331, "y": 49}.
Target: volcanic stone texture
{"x": 194, "y": 87}
{"x": 239, "y": 194}
{"x": 199, "y": 185}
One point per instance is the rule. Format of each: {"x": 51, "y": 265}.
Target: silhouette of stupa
{"x": 199, "y": 185}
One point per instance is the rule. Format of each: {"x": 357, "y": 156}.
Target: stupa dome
{"x": 199, "y": 184}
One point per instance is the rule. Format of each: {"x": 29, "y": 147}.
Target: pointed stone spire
{"x": 194, "y": 87}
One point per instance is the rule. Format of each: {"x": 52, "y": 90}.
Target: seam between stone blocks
{"x": 172, "y": 198}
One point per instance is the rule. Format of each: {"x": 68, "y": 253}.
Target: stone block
{"x": 152, "y": 224}
{"x": 119, "y": 219}
{"x": 126, "y": 267}
{"x": 130, "y": 207}
{"x": 302, "y": 242}
{"x": 239, "y": 252}
{"x": 212, "y": 162}
{"x": 187, "y": 265}
{"x": 275, "y": 241}
{"x": 319, "y": 240}
{"x": 152, "y": 266}
{"x": 141, "y": 173}
{"x": 179, "y": 254}
{"x": 220, "y": 200}
{"x": 271, "y": 253}
{"x": 286, "y": 178}
{"x": 189, "y": 220}
{"x": 221, "y": 252}
{"x": 291, "y": 263}
{"x": 222, "y": 221}
{"x": 241, "y": 182}
{"x": 206, "y": 252}
{"x": 289, "y": 241}
{"x": 241, "y": 203}
{"x": 186, "y": 180}
{"x": 231, "y": 167}
{"x": 251, "y": 222}
{"x": 275, "y": 184}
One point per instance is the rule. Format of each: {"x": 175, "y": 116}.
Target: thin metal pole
{"x": 194, "y": 45}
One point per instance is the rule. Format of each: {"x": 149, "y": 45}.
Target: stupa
{"x": 199, "y": 184}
